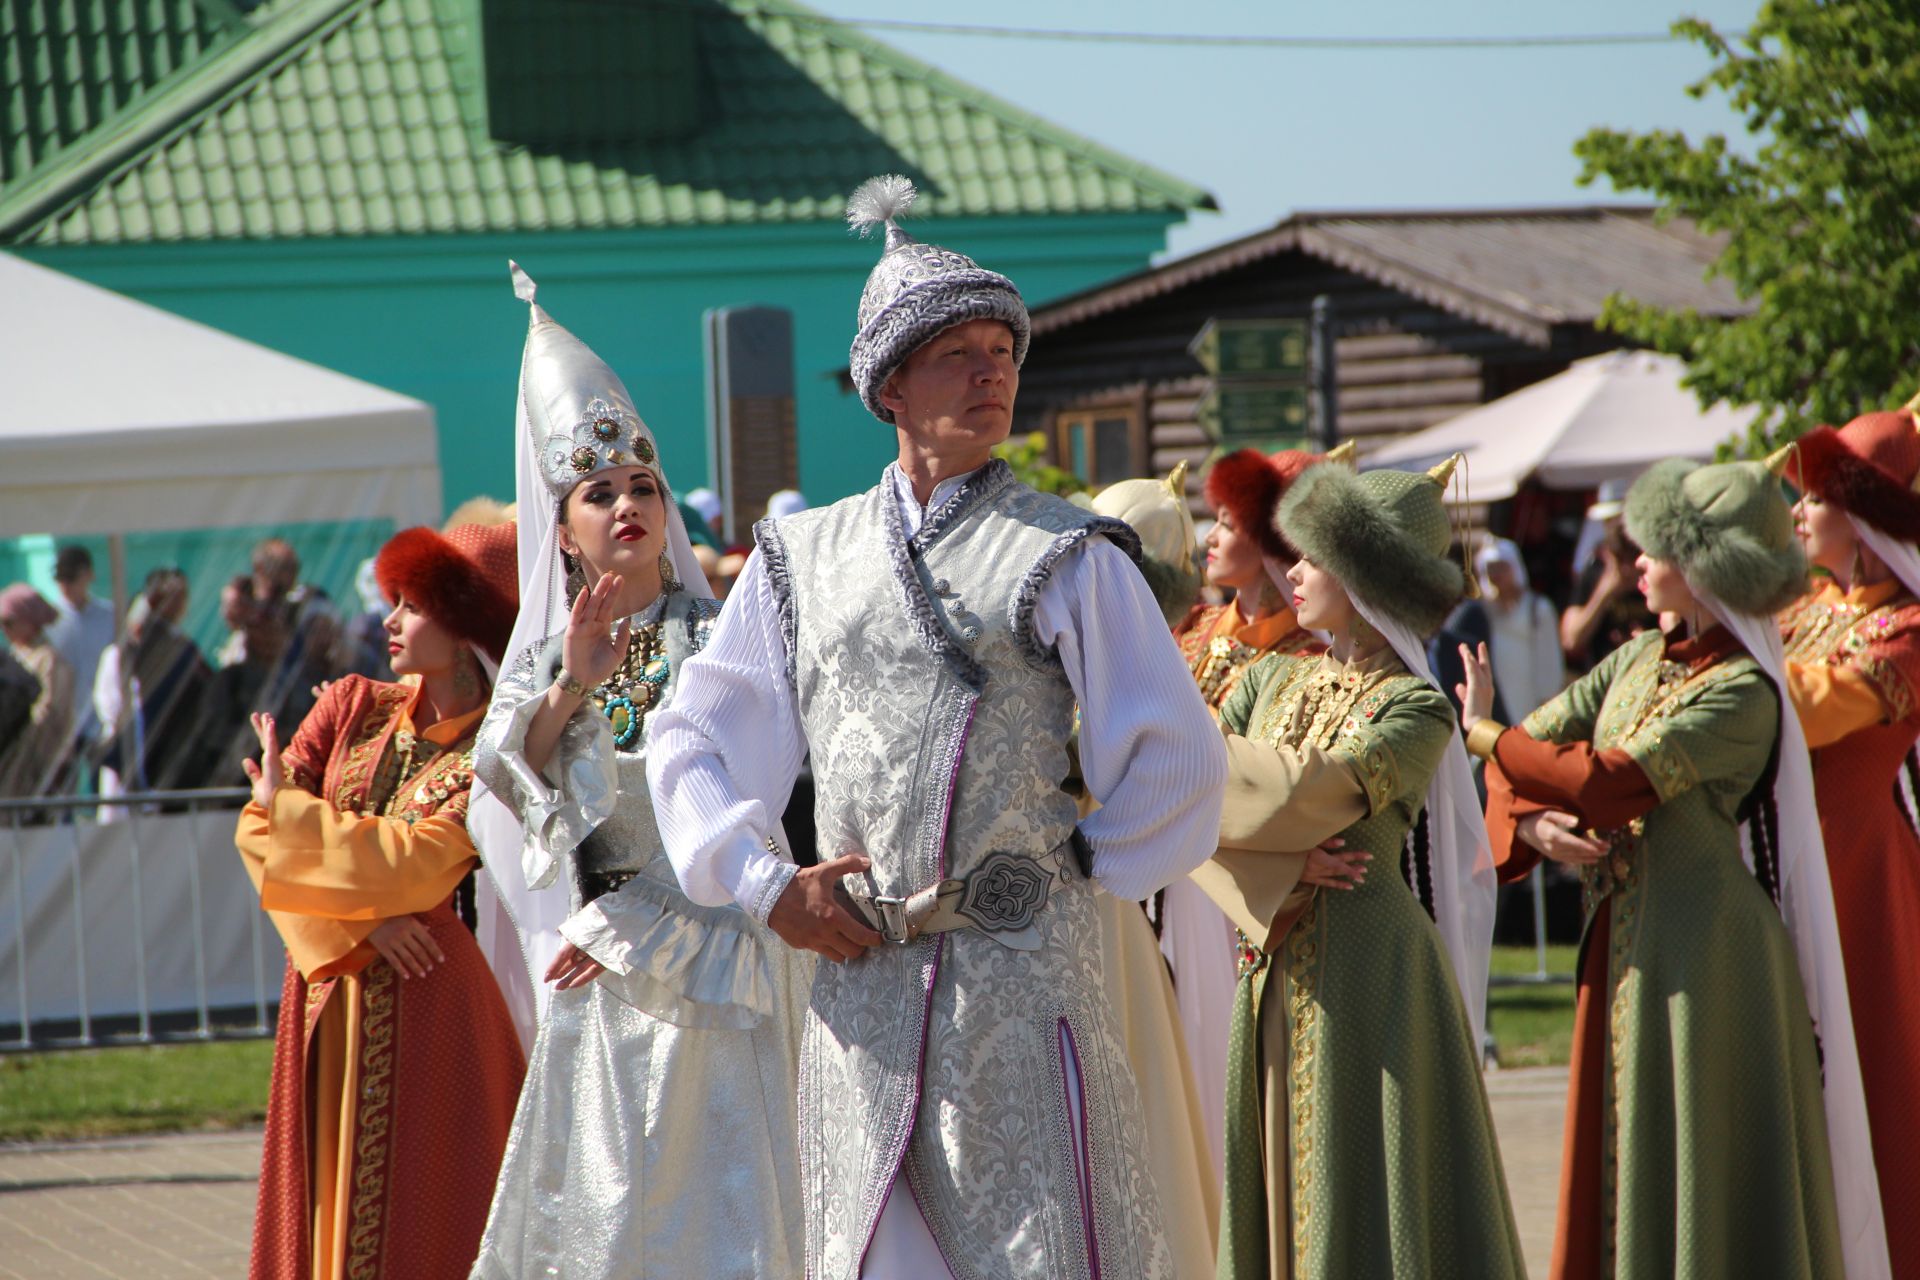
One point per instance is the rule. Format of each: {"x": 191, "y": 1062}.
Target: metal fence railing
{"x": 127, "y": 877}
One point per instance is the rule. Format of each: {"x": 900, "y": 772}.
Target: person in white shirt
{"x": 963, "y": 1094}
{"x": 1524, "y": 630}
{"x": 83, "y": 631}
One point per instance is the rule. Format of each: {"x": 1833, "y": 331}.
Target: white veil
{"x": 1465, "y": 887}
{"x": 559, "y": 377}
{"x": 1806, "y": 904}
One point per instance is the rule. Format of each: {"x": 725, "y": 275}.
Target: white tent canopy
{"x": 118, "y": 417}
{"x": 1606, "y": 417}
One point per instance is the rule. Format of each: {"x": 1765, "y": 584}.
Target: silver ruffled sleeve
{"x": 555, "y": 818}
{"x": 689, "y": 965}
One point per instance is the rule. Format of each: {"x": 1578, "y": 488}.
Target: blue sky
{"x": 1270, "y": 131}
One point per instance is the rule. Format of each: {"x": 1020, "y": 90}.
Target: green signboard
{"x": 1269, "y": 349}
{"x": 1259, "y": 415}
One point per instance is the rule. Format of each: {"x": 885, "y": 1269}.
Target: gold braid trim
{"x": 366, "y": 1230}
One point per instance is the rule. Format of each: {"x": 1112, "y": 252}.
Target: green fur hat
{"x": 1728, "y": 528}
{"x": 1383, "y": 534}
{"x": 1157, "y": 511}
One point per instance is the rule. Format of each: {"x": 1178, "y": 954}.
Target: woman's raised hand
{"x": 1557, "y": 835}
{"x": 266, "y": 775}
{"x": 587, "y": 652}
{"x": 1476, "y": 695}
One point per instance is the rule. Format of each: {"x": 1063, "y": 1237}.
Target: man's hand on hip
{"x": 807, "y": 915}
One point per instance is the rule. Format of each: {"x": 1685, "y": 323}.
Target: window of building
{"x": 1098, "y": 445}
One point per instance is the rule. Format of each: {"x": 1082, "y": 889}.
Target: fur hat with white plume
{"x": 917, "y": 292}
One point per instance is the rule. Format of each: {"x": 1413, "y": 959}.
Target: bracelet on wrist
{"x": 567, "y": 682}
{"x": 1481, "y": 738}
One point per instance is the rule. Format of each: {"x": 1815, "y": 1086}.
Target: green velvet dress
{"x": 1359, "y": 1141}
{"x": 1712, "y": 1157}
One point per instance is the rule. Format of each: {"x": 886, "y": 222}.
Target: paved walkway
{"x": 180, "y": 1207}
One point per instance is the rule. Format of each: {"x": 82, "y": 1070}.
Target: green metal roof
{"x": 321, "y": 118}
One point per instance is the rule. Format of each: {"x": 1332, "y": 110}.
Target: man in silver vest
{"x": 965, "y": 1105}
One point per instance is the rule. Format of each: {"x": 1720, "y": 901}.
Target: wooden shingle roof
{"x": 1523, "y": 272}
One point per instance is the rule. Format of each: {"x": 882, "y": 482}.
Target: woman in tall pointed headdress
{"x": 1699, "y": 1139}
{"x": 1359, "y": 1142}
{"x": 656, "y": 1132}
{"x": 1246, "y": 555}
{"x": 1853, "y": 668}
{"x": 375, "y": 1164}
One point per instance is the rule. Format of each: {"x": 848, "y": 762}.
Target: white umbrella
{"x": 1605, "y": 417}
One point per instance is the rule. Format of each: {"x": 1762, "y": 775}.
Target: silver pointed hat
{"x": 579, "y": 416}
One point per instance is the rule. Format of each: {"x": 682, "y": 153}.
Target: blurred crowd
{"x": 90, "y": 708}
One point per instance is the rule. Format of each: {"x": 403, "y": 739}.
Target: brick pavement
{"x": 181, "y": 1207}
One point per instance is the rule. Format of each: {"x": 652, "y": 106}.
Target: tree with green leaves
{"x": 1821, "y": 221}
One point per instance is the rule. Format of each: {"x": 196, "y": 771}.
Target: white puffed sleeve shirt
{"x": 723, "y": 757}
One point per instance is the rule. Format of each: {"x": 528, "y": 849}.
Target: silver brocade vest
{"x": 938, "y": 730}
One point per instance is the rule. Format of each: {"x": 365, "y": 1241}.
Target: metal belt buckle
{"x": 893, "y": 918}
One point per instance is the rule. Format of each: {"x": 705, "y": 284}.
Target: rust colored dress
{"x": 391, "y": 1097}
{"x": 1853, "y": 668}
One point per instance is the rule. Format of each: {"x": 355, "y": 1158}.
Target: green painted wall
{"x": 437, "y": 319}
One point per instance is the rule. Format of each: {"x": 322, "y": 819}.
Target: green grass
{"x": 101, "y": 1093}
{"x": 1532, "y": 1024}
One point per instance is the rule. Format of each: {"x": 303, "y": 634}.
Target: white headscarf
{"x": 1806, "y": 904}
{"x": 564, "y": 389}
{"x": 1500, "y": 551}
{"x": 1465, "y": 886}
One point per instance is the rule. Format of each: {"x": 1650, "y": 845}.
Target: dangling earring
{"x": 669, "y": 580}
{"x": 1362, "y": 634}
{"x": 576, "y": 580}
{"x": 466, "y": 680}
{"x": 1859, "y": 569}
{"x": 1269, "y": 600}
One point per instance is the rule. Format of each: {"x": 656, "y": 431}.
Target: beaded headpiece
{"x": 581, "y": 418}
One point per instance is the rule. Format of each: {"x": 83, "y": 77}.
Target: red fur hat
{"x": 1868, "y": 468}
{"x": 467, "y": 579}
{"x": 1246, "y": 486}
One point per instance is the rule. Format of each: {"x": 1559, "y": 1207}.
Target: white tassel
{"x": 879, "y": 201}
{"x": 523, "y": 286}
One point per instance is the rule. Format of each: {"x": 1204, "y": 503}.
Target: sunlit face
{"x": 1502, "y": 578}
{"x": 1665, "y": 587}
{"x": 616, "y": 522}
{"x": 1233, "y": 557}
{"x": 1828, "y": 535}
{"x": 417, "y": 645}
{"x": 1319, "y": 601}
{"x": 955, "y": 393}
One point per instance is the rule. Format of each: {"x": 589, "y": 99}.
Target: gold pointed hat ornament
{"x": 1157, "y": 511}
{"x": 1869, "y": 468}
{"x": 1384, "y": 534}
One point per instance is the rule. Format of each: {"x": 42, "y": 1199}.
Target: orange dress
{"x": 391, "y": 1097}
{"x": 1219, "y": 645}
{"x": 1854, "y": 672}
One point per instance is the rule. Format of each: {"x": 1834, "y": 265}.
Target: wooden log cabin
{"x": 1435, "y": 312}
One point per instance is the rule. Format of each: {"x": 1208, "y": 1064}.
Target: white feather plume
{"x": 879, "y": 201}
